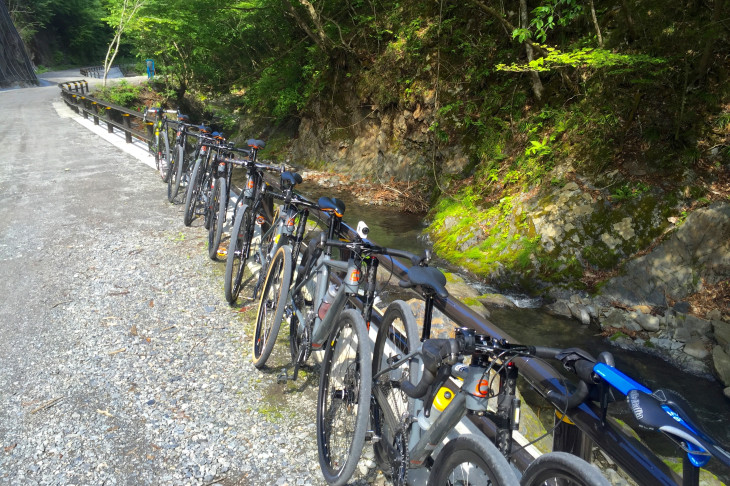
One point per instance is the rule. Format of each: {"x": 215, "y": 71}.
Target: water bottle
{"x": 329, "y": 297}
{"x": 440, "y": 402}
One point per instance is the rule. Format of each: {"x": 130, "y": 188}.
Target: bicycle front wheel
{"x": 343, "y": 403}
{"x": 239, "y": 250}
{"x": 469, "y": 461}
{"x": 271, "y": 307}
{"x": 397, "y": 336}
{"x": 164, "y": 156}
{"x": 192, "y": 196}
{"x": 176, "y": 172}
{"x": 217, "y": 216}
{"x": 562, "y": 469}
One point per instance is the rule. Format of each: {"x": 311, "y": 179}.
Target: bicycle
{"x": 319, "y": 319}
{"x": 253, "y": 218}
{"x": 661, "y": 410}
{"x": 160, "y": 143}
{"x": 178, "y": 162}
{"x": 198, "y": 196}
{"x": 221, "y": 192}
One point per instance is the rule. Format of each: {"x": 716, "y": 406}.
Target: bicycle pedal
{"x": 282, "y": 377}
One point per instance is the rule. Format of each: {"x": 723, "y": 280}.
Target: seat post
{"x": 428, "y": 311}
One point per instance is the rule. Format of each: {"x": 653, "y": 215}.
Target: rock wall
{"x": 15, "y": 66}
{"x": 634, "y": 307}
{"x": 373, "y": 142}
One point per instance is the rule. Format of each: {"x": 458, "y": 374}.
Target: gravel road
{"x": 120, "y": 362}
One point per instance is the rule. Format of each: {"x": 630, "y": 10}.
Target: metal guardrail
{"x": 574, "y": 435}
{"x": 76, "y": 96}
{"x": 95, "y": 71}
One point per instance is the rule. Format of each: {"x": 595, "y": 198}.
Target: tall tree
{"x": 122, "y": 15}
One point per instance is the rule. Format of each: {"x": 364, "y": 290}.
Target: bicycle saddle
{"x": 332, "y": 204}
{"x": 428, "y": 277}
{"x": 290, "y": 179}
{"x": 257, "y": 144}
{"x": 668, "y": 412}
{"x": 183, "y": 118}
{"x": 204, "y": 129}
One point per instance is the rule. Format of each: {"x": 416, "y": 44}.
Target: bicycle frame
{"x": 423, "y": 441}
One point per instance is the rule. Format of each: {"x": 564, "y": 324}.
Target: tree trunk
{"x": 713, "y": 32}
{"x": 537, "y": 88}
{"x": 595, "y": 23}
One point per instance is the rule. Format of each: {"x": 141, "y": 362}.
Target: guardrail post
{"x": 85, "y": 104}
{"x": 150, "y": 130}
{"x": 96, "y": 112}
{"x": 127, "y": 124}
{"x": 569, "y": 438}
{"x": 109, "y": 126}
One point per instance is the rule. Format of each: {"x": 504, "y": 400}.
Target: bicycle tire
{"x": 564, "y": 469}
{"x": 176, "y": 173}
{"x": 239, "y": 250}
{"x": 164, "y": 163}
{"x": 271, "y": 306}
{"x": 192, "y": 193}
{"x": 343, "y": 400}
{"x": 218, "y": 216}
{"x": 469, "y": 460}
{"x": 397, "y": 335}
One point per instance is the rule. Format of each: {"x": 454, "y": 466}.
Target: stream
{"x": 528, "y": 324}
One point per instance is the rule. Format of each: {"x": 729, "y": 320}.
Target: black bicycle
{"x": 221, "y": 193}
{"x": 253, "y": 221}
{"x": 160, "y": 143}
{"x": 199, "y": 194}
{"x": 179, "y": 159}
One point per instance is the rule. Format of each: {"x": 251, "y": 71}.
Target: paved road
{"x": 119, "y": 362}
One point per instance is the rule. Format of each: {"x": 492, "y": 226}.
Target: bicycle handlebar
{"x": 378, "y": 250}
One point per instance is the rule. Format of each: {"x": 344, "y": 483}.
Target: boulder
{"x": 496, "y": 300}
{"x": 697, "y": 349}
{"x": 648, "y": 322}
{"x": 721, "y": 360}
{"x": 721, "y": 330}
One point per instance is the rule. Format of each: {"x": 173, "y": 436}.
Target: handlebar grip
{"x": 403, "y": 254}
{"x": 544, "y": 352}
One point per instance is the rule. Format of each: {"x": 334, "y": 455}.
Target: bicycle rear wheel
{"x": 397, "y": 336}
{"x": 217, "y": 216}
{"x": 176, "y": 172}
{"x": 271, "y": 307}
{"x": 239, "y": 250}
{"x": 562, "y": 469}
{"x": 469, "y": 461}
{"x": 192, "y": 195}
{"x": 343, "y": 402}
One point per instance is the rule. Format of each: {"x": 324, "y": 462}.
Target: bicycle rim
{"x": 343, "y": 404}
{"x": 471, "y": 461}
{"x": 391, "y": 408}
{"x": 238, "y": 251}
{"x": 271, "y": 306}
{"x": 562, "y": 469}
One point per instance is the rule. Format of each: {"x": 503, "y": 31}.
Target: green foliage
{"x": 122, "y": 93}
{"x": 585, "y": 58}
{"x": 629, "y": 191}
